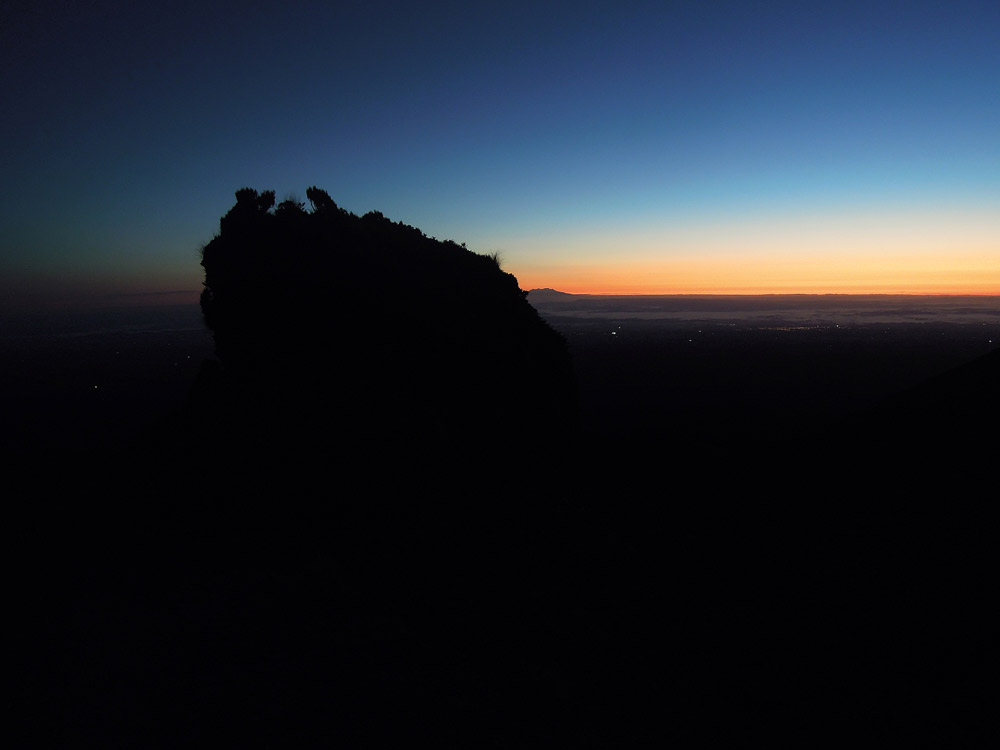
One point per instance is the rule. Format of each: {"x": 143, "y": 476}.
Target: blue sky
{"x": 654, "y": 142}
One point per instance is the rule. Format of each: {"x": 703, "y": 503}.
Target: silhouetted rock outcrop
{"x": 359, "y": 338}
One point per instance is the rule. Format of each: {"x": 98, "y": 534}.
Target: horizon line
{"x": 764, "y": 294}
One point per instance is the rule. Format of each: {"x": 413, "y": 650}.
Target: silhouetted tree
{"x": 320, "y": 200}
{"x": 265, "y": 201}
{"x": 290, "y": 206}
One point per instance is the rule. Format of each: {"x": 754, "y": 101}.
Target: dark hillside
{"x": 345, "y": 536}
{"x": 957, "y": 409}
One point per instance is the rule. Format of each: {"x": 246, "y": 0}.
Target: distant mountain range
{"x": 548, "y": 294}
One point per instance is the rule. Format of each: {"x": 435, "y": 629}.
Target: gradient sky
{"x": 600, "y": 147}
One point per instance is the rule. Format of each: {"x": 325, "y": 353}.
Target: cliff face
{"x": 330, "y": 326}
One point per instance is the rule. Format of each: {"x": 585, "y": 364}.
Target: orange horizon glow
{"x": 972, "y": 274}
{"x": 573, "y": 283}
{"x": 937, "y": 253}
{"x": 757, "y": 291}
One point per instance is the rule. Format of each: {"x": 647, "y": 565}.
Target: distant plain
{"x": 715, "y": 368}
{"x": 718, "y": 371}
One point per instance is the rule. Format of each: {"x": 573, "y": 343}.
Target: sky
{"x": 600, "y": 147}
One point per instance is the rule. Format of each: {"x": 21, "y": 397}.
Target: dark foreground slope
{"x": 358, "y": 535}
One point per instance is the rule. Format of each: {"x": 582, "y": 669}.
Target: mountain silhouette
{"x": 349, "y": 532}
{"x": 548, "y": 295}
{"x": 401, "y": 349}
